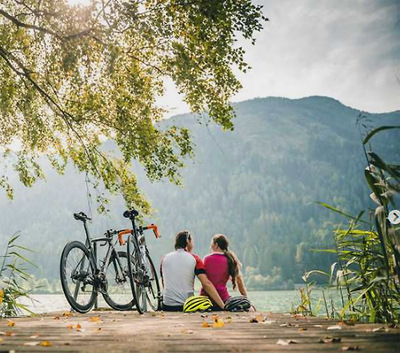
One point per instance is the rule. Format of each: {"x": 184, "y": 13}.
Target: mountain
{"x": 257, "y": 185}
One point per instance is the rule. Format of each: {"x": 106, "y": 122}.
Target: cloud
{"x": 349, "y": 50}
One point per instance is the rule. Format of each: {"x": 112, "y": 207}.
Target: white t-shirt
{"x": 178, "y": 270}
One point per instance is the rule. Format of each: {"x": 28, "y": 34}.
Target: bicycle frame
{"x": 91, "y": 246}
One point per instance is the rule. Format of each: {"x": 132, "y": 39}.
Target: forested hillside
{"x": 256, "y": 184}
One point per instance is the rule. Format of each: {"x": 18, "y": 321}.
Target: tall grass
{"x": 367, "y": 270}
{"x": 13, "y": 275}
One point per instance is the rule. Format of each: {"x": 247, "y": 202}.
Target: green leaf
{"x": 375, "y": 131}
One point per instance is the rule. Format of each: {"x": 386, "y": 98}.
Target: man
{"x": 178, "y": 270}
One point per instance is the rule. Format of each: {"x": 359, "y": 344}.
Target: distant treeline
{"x": 256, "y": 184}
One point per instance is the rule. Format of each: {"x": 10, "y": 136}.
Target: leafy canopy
{"x": 74, "y": 76}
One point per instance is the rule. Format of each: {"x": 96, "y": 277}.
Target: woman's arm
{"x": 210, "y": 290}
{"x": 240, "y": 284}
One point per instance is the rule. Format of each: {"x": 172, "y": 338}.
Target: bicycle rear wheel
{"x": 119, "y": 294}
{"x": 77, "y": 277}
{"x": 152, "y": 285}
{"x": 134, "y": 271}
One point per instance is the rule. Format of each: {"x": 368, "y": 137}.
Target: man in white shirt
{"x": 178, "y": 270}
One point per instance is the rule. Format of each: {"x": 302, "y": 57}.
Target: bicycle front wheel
{"x": 119, "y": 294}
{"x": 134, "y": 269}
{"x": 77, "y": 277}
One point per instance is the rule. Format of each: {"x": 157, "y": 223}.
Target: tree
{"x": 72, "y": 77}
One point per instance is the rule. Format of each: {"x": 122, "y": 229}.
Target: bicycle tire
{"x": 119, "y": 294}
{"x": 75, "y": 281}
{"x": 132, "y": 251}
{"x": 153, "y": 289}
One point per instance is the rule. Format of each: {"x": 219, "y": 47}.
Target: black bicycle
{"x": 143, "y": 275}
{"x": 82, "y": 278}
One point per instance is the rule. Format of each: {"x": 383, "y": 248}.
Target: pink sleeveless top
{"x": 216, "y": 266}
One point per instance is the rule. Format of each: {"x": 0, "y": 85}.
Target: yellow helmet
{"x": 197, "y": 302}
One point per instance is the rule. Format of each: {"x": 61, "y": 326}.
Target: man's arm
{"x": 210, "y": 289}
{"x": 241, "y": 286}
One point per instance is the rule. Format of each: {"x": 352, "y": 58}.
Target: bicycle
{"x": 143, "y": 275}
{"x": 82, "y": 278}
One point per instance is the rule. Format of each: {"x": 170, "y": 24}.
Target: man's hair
{"x": 182, "y": 239}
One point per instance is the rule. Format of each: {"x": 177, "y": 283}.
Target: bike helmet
{"x": 237, "y": 304}
{"x": 197, "y": 303}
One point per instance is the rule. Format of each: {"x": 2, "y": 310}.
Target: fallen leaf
{"x": 153, "y": 314}
{"x": 330, "y": 340}
{"x": 218, "y": 323}
{"x": 70, "y": 326}
{"x": 285, "y": 325}
{"x": 46, "y": 344}
{"x": 380, "y": 329}
{"x": 188, "y": 332}
{"x": 94, "y": 319}
{"x": 228, "y": 318}
{"x": 57, "y": 317}
{"x": 335, "y": 327}
{"x": 66, "y": 314}
{"x": 11, "y": 323}
{"x": 351, "y": 348}
{"x": 286, "y": 342}
{"x": 256, "y": 319}
{"x": 1, "y": 340}
{"x": 31, "y": 344}
{"x": 302, "y": 329}
{"x": 205, "y": 324}
{"x": 10, "y": 333}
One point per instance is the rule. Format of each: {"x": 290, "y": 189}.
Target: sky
{"x": 345, "y": 49}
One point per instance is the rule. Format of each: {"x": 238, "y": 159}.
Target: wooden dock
{"x": 114, "y": 332}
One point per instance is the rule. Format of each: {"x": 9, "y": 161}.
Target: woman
{"x": 222, "y": 265}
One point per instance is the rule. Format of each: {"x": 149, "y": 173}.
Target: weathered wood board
{"x": 113, "y": 332}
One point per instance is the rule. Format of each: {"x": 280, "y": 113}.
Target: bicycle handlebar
{"x": 155, "y": 230}
{"x": 121, "y": 233}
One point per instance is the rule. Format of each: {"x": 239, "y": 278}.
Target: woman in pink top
{"x": 222, "y": 265}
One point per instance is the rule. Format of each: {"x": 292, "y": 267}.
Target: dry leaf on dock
{"x": 334, "y": 327}
{"x": 351, "y": 348}
{"x": 256, "y": 319}
{"x": 218, "y": 323}
{"x": 330, "y": 340}
{"x": 285, "y": 342}
{"x": 32, "y": 344}
{"x": 46, "y": 344}
{"x": 95, "y": 319}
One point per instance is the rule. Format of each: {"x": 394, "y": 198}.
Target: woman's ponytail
{"x": 233, "y": 262}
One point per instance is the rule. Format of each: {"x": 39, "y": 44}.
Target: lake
{"x": 274, "y": 301}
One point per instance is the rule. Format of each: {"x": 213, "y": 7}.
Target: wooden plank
{"x": 109, "y": 332}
